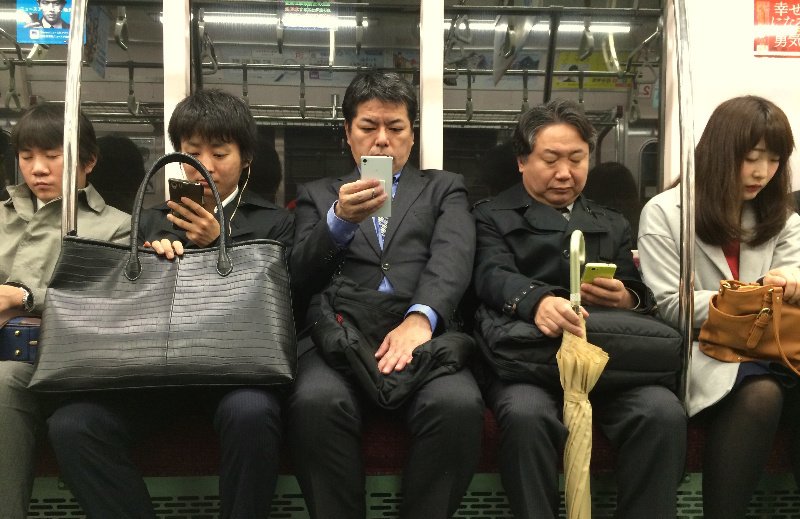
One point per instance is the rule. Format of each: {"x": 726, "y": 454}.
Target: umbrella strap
{"x": 575, "y": 396}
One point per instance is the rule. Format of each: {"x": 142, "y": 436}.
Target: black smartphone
{"x": 179, "y": 188}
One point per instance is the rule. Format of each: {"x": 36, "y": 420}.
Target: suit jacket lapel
{"x": 411, "y": 184}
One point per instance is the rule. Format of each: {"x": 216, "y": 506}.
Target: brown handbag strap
{"x": 762, "y": 319}
{"x": 777, "y": 306}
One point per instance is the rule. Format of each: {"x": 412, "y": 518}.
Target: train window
{"x": 604, "y": 55}
{"x": 292, "y": 61}
{"x": 122, "y": 81}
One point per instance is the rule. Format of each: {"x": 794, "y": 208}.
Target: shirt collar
{"x": 229, "y": 199}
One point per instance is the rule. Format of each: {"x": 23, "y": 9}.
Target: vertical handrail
{"x": 72, "y": 102}
{"x": 686, "y": 129}
{"x": 431, "y": 85}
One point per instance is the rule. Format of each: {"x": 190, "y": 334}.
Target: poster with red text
{"x": 776, "y": 26}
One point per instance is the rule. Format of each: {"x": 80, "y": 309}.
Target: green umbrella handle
{"x": 577, "y": 255}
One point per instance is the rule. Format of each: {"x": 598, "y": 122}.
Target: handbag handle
{"x": 777, "y": 300}
{"x": 133, "y": 267}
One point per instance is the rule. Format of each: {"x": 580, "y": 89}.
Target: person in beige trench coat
{"x": 30, "y": 243}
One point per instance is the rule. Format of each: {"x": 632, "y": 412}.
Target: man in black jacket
{"x": 522, "y": 271}
{"x": 423, "y": 252}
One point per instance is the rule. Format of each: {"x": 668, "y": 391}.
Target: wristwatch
{"x": 27, "y": 299}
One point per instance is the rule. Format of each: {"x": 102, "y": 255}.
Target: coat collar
{"x": 23, "y": 200}
{"x": 584, "y": 215}
{"x": 242, "y": 226}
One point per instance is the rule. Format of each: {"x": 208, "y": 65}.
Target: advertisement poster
{"x": 776, "y": 26}
{"x": 569, "y": 61}
{"x": 43, "y": 21}
{"x": 95, "y": 52}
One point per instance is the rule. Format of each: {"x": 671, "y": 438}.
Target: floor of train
{"x": 196, "y": 498}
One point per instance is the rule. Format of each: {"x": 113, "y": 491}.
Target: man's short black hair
{"x": 62, "y": 2}
{"x": 557, "y": 111}
{"x": 42, "y": 126}
{"x": 388, "y": 87}
{"x": 214, "y": 115}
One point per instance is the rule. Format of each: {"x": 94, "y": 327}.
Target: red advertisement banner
{"x": 777, "y": 28}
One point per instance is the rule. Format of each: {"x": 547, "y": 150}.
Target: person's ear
{"x": 347, "y": 131}
{"x": 90, "y": 165}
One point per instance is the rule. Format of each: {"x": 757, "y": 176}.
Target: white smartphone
{"x": 598, "y": 270}
{"x": 379, "y": 167}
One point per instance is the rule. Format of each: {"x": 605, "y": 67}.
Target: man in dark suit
{"x": 522, "y": 272}
{"x": 51, "y": 15}
{"x": 426, "y": 253}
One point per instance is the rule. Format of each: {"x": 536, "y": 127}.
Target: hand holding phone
{"x": 598, "y": 270}
{"x": 179, "y": 188}
{"x": 379, "y": 167}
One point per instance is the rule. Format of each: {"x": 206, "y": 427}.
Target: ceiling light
{"x": 605, "y": 28}
{"x": 573, "y": 27}
{"x": 290, "y": 20}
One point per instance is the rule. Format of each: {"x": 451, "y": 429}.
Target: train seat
{"x": 190, "y": 448}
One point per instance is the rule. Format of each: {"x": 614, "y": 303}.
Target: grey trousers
{"x": 19, "y": 422}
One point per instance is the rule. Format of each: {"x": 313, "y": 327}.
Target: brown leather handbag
{"x": 747, "y": 321}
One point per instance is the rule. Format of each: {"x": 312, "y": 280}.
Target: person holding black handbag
{"x": 92, "y": 434}
{"x": 521, "y": 278}
{"x": 746, "y": 229}
{"x": 30, "y": 242}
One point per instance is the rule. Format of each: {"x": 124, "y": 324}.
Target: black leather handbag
{"x": 642, "y": 349}
{"x": 119, "y": 316}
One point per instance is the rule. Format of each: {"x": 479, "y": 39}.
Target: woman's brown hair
{"x": 734, "y": 129}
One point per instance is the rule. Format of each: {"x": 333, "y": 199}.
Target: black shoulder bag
{"x": 119, "y": 316}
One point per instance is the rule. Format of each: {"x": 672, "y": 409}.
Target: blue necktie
{"x": 383, "y": 222}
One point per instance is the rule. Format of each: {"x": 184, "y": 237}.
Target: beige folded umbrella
{"x": 580, "y": 365}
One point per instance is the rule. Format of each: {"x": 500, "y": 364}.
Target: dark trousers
{"x": 647, "y": 425}
{"x": 324, "y": 416}
{"x": 92, "y": 436}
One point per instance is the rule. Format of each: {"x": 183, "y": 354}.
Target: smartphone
{"x": 179, "y": 188}
{"x": 598, "y": 270}
{"x": 381, "y": 168}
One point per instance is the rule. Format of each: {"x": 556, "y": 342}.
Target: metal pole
{"x": 72, "y": 103}
{"x": 686, "y": 125}
{"x": 431, "y": 85}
